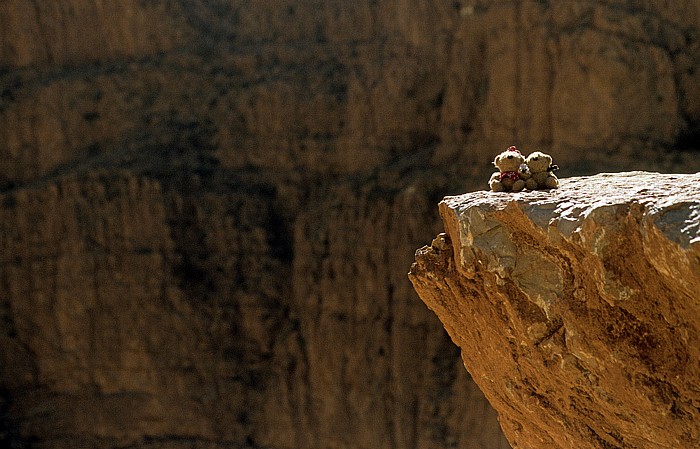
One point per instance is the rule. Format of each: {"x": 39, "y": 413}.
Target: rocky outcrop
{"x": 576, "y": 309}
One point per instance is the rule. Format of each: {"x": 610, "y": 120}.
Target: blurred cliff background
{"x": 209, "y": 207}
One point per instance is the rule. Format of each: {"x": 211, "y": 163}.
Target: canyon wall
{"x": 205, "y": 232}
{"x": 575, "y": 309}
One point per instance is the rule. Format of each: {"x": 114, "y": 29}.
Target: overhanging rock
{"x": 578, "y": 309}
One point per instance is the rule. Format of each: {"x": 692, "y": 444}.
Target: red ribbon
{"x": 512, "y": 175}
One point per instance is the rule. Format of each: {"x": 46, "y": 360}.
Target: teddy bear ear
{"x": 496, "y": 160}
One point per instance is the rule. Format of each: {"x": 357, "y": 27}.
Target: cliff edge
{"x": 577, "y": 309}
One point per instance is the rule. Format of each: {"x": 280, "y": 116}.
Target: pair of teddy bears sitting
{"x": 516, "y": 172}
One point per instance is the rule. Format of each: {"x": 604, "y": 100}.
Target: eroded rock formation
{"x": 138, "y": 313}
{"x": 576, "y": 309}
{"x": 188, "y": 188}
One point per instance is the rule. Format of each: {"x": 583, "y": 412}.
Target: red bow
{"x": 512, "y": 175}
{"x": 513, "y": 148}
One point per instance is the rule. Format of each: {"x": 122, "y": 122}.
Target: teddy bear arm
{"x": 552, "y": 182}
{"x": 495, "y": 183}
{"x": 497, "y": 186}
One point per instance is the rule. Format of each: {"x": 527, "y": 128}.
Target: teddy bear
{"x": 512, "y": 172}
{"x": 541, "y": 168}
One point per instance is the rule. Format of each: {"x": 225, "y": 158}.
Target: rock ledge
{"x": 577, "y": 309}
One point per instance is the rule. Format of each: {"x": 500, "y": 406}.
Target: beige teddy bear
{"x": 541, "y": 168}
{"x": 512, "y": 172}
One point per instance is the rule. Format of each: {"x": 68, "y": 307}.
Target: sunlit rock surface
{"x": 576, "y": 309}
{"x": 188, "y": 189}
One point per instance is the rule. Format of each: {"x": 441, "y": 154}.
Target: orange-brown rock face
{"x": 338, "y": 88}
{"x": 576, "y": 309}
{"x": 188, "y": 188}
{"x": 137, "y": 315}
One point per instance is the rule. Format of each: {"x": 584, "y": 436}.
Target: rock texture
{"x": 188, "y": 190}
{"x": 134, "y": 315}
{"x": 576, "y": 309}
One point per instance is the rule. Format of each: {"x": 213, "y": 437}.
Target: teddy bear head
{"x": 538, "y": 162}
{"x": 509, "y": 160}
